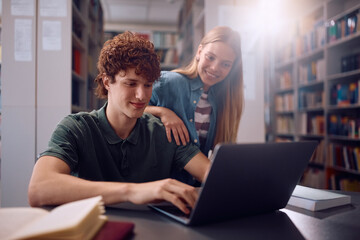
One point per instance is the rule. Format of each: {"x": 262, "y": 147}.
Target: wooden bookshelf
{"x": 320, "y": 73}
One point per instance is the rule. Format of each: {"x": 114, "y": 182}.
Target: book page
{"x": 315, "y": 194}
{"x": 13, "y": 219}
{"x": 62, "y": 218}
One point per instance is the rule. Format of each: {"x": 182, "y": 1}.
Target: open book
{"x": 315, "y": 199}
{"x": 76, "y": 220}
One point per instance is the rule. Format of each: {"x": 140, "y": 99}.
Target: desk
{"x": 288, "y": 223}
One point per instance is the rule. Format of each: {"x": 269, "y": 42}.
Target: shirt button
{"x": 190, "y": 120}
{"x": 194, "y": 101}
{"x": 201, "y": 89}
{"x": 195, "y": 141}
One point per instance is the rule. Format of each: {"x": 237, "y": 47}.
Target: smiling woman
{"x": 203, "y": 102}
{"x": 215, "y": 61}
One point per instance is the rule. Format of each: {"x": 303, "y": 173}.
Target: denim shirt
{"x": 181, "y": 94}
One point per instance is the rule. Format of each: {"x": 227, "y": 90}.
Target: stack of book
{"x": 315, "y": 199}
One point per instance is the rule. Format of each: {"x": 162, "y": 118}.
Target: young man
{"x": 117, "y": 151}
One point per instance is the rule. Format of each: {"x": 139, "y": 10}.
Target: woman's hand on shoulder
{"x": 174, "y": 125}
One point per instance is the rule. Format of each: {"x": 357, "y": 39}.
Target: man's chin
{"x": 137, "y": 114}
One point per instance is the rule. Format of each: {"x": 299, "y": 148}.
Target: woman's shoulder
{"x": 173, "y": 77}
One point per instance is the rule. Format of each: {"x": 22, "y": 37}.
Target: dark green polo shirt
{"x": 93, "y": 151}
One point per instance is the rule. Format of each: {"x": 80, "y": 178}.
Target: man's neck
{"x": 121, "y": 124}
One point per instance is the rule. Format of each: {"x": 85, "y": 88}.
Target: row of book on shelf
{"x": 285, "y": 80}
{"x": 344, "y": 125}
{"x": 168, "y": 56}
{"x": 344, "y": 94}
{"x": 343, "y": 183}
{"x": 350, "y": 62}
{"x": 344, "y": 26}
{"x": 340, "y": 157}
{"x": 311, "y": 99}
{"x": 311, "y": 124}
{"x": 164, "y": 39}
{"x": 165, "y": 45}
{"x": 312, "y": 38}
{"x": 344, "y": 156}
{"x": 284, "y": 102}
{"x": 77, "y": 65}
{"x": 76, "y": 61}
{"x": 312, "y": 71}
{"x": 285, "y": 125}
{"x": 315, "y": 71}
{"x": 338, "y": 124}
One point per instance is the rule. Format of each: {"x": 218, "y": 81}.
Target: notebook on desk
{"x": 246, "y": 179}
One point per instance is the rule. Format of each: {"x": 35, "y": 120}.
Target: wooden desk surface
{"x": 288, "y": 223}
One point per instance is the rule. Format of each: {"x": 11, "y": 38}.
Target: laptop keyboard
{"x": 175, "y": 211}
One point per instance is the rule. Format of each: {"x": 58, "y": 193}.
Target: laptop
{"x": 246, "y": 179}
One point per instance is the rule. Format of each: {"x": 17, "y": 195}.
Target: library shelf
{"x": 322, "y": 69}
{"x": 87, "y": 40}
{"x": 284, "y": 65}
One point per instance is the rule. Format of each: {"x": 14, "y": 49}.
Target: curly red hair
{"x": 125, "y": 51}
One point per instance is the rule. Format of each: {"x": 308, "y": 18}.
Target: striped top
{"x": 202, "y": 118}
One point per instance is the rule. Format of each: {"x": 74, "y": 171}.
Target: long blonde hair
{"x": 230, "y": 98}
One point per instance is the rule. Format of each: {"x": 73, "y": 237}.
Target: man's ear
{"x": 106, "y": 81}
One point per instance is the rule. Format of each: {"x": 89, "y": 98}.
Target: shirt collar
{"x": 196, "y": 84}
{"x": 109, "y": 132}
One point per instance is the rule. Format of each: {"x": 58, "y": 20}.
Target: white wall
{"x": 18, "y": 106}
{"x": 36, "y": 93}
{"x": 252, "y": 124}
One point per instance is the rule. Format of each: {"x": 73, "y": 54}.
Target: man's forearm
{"x": 199, "y": 167}
{"x": 62, "y": 188}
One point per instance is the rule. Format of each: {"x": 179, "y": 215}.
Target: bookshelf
{"x": 316, "y": 92}
{"x": 191, "y": 29}
{"x": 164, "y": 41}
{"x": 165, "y": 46}
{"x": 87, "y": 40}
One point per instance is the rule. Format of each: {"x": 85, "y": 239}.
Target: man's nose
{"x": 140, "y": 92}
